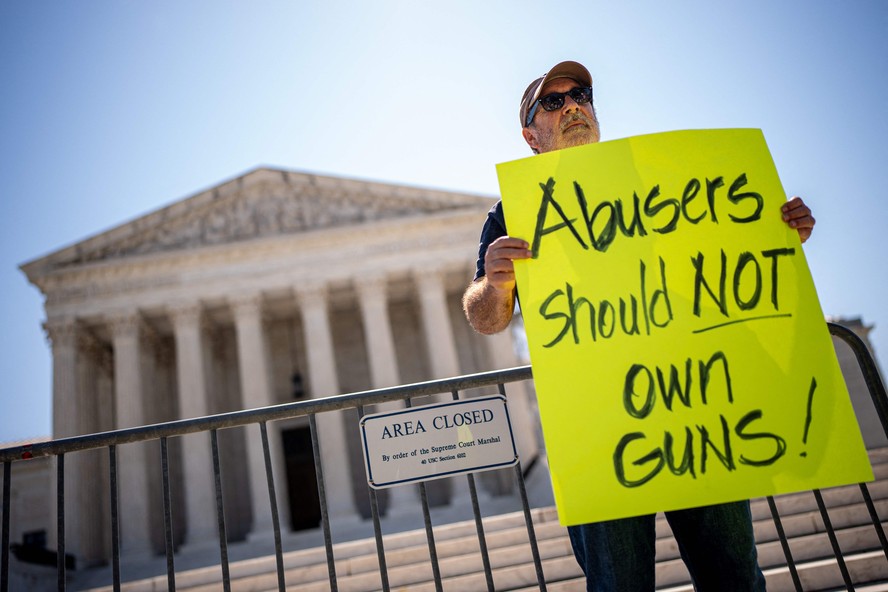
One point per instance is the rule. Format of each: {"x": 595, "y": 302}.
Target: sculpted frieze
{"x": 263, "y": 211}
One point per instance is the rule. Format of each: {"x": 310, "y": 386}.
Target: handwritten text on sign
{"x": 439, "y": 440}
{"x": 680, "y": 354}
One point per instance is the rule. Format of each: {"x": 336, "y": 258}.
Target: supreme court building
{"x": 272, "y": 287}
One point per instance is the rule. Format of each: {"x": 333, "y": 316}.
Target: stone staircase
{"x": 409, "y": 568}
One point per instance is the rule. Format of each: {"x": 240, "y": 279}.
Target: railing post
{"x": 784, "y": 543}
{"x": 831, "y": 533}
{"x": 377, "y": 528}
{"x": 220, "y": 512}
{"x": 4, "y": 545}
{"x": 430, "y": 532}
{"x": 322, "y": 494}
{"x": 60, "y": 521}
{"x": 115, "y": 517}
{"x": 167, "y": 515}
{"x": 479, "y": 524}
{"x": 275, "y": 518}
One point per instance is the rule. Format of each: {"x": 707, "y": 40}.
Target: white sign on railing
{"x": 438, "y": 440}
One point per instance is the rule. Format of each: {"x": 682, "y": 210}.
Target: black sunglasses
{"x": 552, "y": 101}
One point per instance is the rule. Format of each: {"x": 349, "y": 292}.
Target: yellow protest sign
{"x": 679, "y": 351}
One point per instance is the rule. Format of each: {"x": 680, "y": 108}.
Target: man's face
{"x": 572, "y": 125}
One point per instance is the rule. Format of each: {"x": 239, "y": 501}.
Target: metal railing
{"x": 162, "y": 432}
{"x": 212, "y": 424}
{"x": 880, "y": 401}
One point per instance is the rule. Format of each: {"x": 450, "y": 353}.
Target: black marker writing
{"x": 603, "y": 220}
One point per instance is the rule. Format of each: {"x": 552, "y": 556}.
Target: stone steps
{"x": 461, "y": 569}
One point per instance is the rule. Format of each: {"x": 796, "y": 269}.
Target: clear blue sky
{"x": 111, "y": 109}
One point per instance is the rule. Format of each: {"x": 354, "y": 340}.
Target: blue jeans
{"x": 716, "y": 544}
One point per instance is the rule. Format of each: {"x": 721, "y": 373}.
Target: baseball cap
{"x": 572, "y": 70}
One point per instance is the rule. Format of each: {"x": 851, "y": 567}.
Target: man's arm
{"x": 488, "y": 309}
{"x": 488, "y": 301}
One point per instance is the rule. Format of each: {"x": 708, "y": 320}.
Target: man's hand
{"x": 498, "y": 262}
{"x": 798, "y": 216}
{"x": 488, "y": 302}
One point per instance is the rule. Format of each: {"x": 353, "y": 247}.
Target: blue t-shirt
{"x": 494, "y": 227}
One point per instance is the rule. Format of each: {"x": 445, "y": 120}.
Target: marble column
{"x": 91, "y": 497}
{"x": 132, "y": 468}
{"x": 75, "y": 413}
{"x": 373, "y": 300}
{"x": 200, "y": 503}
{"x": 380, "y": 344}
{"x": 255, "y": 378}
{"x": 440, "y": 343}
{"x": 324, "y": 382}
{"x": 441, "y": 346}
{"x": 63, "y": 336}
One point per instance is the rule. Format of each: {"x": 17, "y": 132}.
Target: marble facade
{"x": 269, "y": 288}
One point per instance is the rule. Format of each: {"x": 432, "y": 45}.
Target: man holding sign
{"x": 716, "y": 542}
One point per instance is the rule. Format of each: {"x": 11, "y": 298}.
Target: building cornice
{"x": 262, "y": 203}
{"x": 333, "y": 255}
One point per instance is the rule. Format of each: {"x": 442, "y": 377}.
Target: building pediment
{"x": 260, "y": 204}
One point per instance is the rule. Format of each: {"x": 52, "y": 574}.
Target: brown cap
{"x": 572, "y": 70}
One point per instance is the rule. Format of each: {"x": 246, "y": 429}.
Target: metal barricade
{"x": 211, "y": 425}
{"x": 877, "y": 392}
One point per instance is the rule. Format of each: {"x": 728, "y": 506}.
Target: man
{"x": 716, "y": 542}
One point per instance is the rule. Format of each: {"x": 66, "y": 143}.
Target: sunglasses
{"x": 552, "y": 101}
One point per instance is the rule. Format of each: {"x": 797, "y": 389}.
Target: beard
{"x": 568, "y": 134}
{"x": 573, "y": 134}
